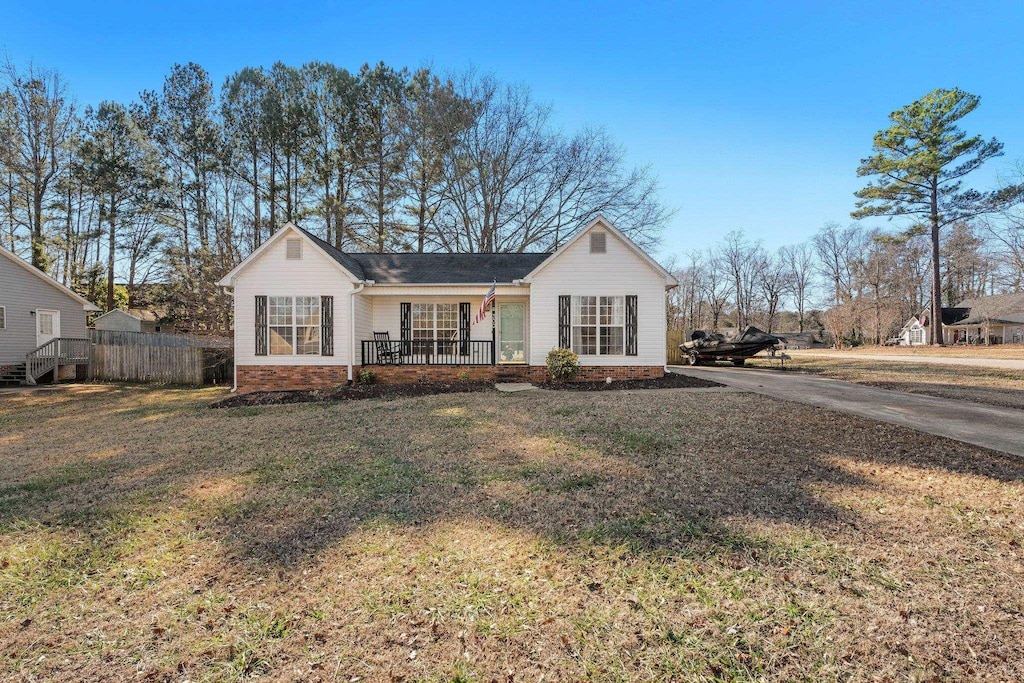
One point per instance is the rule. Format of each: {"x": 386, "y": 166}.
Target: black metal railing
{"x": 428, "y": 352}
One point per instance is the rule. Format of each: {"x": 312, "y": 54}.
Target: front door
{"x": 511, "y": 333}
{"x": 47, "y": 325}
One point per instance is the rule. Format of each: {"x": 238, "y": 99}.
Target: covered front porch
{"x": 444, "y": 330}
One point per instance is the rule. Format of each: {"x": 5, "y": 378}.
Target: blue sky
{"x": 753, "y": 115}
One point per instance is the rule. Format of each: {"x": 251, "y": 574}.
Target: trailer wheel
{"x": 693, "y": 359}
{"x": 739, "y": 362}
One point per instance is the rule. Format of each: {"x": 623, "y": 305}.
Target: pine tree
{"x": 920, "y": 163}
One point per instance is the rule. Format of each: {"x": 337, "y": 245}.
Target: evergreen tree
{"x": 920, "y": 163}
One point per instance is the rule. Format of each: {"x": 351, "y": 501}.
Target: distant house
{"x": 35, "y": 309}
{"x": 914, "y": 333}
{"x": 995, "y": 319}
{"x": 308, "y": 315}
{"x": 132, "y": 320}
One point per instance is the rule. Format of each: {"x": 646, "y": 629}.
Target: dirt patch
{"x": 354, "y": 392}
{"x": 669, "y": 381}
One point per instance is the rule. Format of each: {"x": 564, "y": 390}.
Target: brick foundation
{"x": 285, "y": 377}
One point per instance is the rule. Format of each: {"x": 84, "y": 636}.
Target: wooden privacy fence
{"x": 673, "y": 339}
{"x": 159, "y": 357}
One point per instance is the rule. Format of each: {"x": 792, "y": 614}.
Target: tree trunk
{"x": 112, "y": 222}
{"x": 936, "y": 330}
{"x": 256, "y": 230}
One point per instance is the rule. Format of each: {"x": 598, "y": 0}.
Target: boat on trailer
{"x": 736, "y": 347}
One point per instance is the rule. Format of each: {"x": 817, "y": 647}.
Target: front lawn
{"x": 652, "y": 535}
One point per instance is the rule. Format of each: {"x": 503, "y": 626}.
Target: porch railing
{"x": 54, "y": 353}
{"x": 428, "y": 352}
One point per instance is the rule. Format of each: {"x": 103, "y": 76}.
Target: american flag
{"x": 488, "y": 300}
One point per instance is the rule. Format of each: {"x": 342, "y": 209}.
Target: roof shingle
{"x": 434, "y": 268}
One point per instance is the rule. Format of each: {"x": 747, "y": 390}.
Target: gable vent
{"x": 293, "y": 248}
{"x": 597, "y": 242}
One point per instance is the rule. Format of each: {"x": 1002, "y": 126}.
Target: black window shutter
{"x": 631, "y": 325}
{"x": 406, "y": 328}
{"x": 464, "y": 307}
{"x": 327, "y": 326}
{"x": 261, "y": 325}
{"x": 564, "y": 322}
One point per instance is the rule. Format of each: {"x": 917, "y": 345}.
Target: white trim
{"x": 55, "y": 313}
{"x": 86, "y": 304}
{"x": 670, "y": 280}
{"x": 294, "y": 325}
{"x": 287, "y": 228}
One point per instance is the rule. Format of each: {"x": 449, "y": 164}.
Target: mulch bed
{"x": 354, "y": 392}
{"x": 669, "y": 381}
{"x": 361, "y": 391}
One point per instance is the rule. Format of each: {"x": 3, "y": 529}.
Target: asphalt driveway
{"x": 997, "y": 363}
{"x": 1000, "y": 429}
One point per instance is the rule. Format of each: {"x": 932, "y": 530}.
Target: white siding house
{"x": 309, "y": 315}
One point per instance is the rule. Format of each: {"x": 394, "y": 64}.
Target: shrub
{"x": 367, "y": 377}
{"x": 463, "y": 375}
{"x": 563, "y": 364}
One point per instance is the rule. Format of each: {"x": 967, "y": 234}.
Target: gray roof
{"x": 996, "y": 308}
{"x": 434, "y": 268}
{"x": 447, "y": 268}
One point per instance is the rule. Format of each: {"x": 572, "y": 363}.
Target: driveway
{"x": 1000, "y": 429}
{"x": 999, "y": 363}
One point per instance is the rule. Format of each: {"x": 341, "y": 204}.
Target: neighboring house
{"x": 308, "y": 315}
{"x": 995, "y": 319}
{"x": 132, "y": 320}
{"x": 914, "y": 333}
{"x": 35, "y": 309}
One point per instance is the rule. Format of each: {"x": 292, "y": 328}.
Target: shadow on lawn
{"x": 670, "y": 473}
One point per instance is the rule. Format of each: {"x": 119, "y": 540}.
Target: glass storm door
{"x": 47, "y": 326}
{"x": 511, "y": 333}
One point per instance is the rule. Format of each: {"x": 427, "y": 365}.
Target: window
{"x": 45, "y": 323}
{"x": 293, "y": 248}
{"x": 3, "y": 317}
{"x": 597, "y": 243}
{"x": 916, "y": 335}
{"x": 294, "y": 325}
{"x": 598, "y": 325}
{"x": 435, "y": 321}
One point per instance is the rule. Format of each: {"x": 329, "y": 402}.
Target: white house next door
{"x": 47, "y": 325}
{"x": 511, "y": 333}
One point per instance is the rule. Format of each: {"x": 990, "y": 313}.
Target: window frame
{"x": 299, "y": 333}
{"x": 599, "y": 331}
{"x": 3, "y": 318}
{"x": 416, "y": 318}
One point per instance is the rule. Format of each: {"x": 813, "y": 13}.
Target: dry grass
{"x": 605, "y": 536}
{"x": 1003, "y": 388}
{"x": 1011, "y": 351}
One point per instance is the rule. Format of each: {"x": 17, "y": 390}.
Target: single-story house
{"x": 913, "y": 333}
{"x": 35, "y": 309}
{"x": 132, "y": 320}
{"x": 308, "y": 315}
{"x": 994, "y": 319}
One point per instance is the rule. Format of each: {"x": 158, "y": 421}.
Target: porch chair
{"x": 388, "y": 352}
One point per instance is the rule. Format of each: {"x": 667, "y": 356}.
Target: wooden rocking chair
{"x": 388, "y": 352}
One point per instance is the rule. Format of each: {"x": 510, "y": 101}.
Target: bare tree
{"x": 799, "y": 263}
{"x": 35, "y": 149}
{"x": 514, "y": 184}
